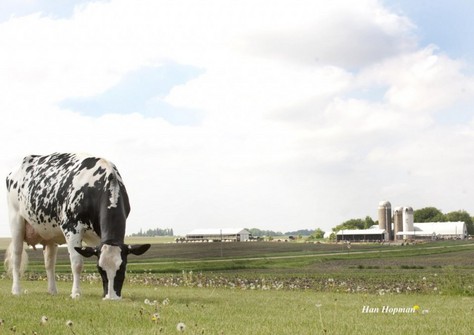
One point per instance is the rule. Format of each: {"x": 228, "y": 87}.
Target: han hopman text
{"x": 388, "y": 310}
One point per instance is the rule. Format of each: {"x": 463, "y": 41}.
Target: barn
{"x": 372, "y": 234}
{"x": 218, "y": 235}
{"x": 437, "y": 230}
{"x": 422, "y": 230}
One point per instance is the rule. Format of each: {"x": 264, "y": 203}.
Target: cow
{"x": 70, "y": 198}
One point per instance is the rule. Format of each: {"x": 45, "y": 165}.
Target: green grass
{"x": 226, "y": 311}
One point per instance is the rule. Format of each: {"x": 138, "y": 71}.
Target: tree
{"x": 461, "y": 215}
{"x": 318, "y": 233}
{"x": 351, "y": 224}
{"x": 369, "y": 222}
{"x": 428, "y": 214}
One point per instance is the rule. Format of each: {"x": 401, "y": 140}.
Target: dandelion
{"x": 180, "y": 327}
{"x": 44, "y": 320}
{"x": 155, "y": 317}
{"x": 416, "y": 308}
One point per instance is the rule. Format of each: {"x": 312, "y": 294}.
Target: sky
{"x": 280, "y": 115}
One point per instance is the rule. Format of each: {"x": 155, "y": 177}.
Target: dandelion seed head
{"x": 180, "y": 327}
{"x": 69, "y": 323}
{"x": 44, "y": 320}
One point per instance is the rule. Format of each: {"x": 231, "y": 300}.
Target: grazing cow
{"x": 70, "y": 198}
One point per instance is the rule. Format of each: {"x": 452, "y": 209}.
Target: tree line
{"x": 260, "y": 233}
{"x": 155, "y": 232}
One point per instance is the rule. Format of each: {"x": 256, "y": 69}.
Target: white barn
{"x": 374, "y": 233}
{"x": 217, "y": 235}
{"x": 438, "y": 230}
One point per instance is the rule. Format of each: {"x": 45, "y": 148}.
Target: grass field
{"x": 260, "y": 288}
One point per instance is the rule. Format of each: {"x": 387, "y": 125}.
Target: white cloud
{"x": 312, "y": 111}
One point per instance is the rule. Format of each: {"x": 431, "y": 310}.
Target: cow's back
{"x": 57, "y": 192}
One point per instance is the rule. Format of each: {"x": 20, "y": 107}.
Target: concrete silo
{"x": 385, "y": 218}
{"x": 408, "y": 220}
{"x": 397, "y": 222}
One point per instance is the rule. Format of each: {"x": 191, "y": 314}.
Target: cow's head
{"x": 112, "y": 263}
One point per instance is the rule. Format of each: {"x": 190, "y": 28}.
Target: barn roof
{"x": 371, "y": 231}
{"x": 219, "y": 231}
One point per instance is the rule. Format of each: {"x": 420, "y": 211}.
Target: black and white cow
{"x": 70, "y": 198}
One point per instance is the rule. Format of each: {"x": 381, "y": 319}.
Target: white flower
{"x": 180, "y": 327}
{"x": 44, "y": 320}
{"x": 69, "y": 323}
{"x": 166, "y": 302}
{"x": 147, "y": 302}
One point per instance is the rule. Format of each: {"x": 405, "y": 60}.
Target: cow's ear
{"x": 87, "y": 251}
{"x": 138, "y": 249}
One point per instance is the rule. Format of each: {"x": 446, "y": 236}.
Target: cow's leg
{"x": 17, "y": 224}
{"x": 77, "y": 262}
{"x": 50, "y": 251}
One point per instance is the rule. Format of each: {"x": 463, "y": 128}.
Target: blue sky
{"x": 55, "y": 8}
{"x": 252, "y": 113}
{"x": 448, "y": 24}
{"x": 141, "y": 91}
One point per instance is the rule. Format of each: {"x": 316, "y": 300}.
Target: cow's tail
{"x": 8, "y": 260}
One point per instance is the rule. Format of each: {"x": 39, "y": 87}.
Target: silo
{"x": 408, "y": 222}
{"x": 397, "y": 222}
{"x": 385, "y": 218}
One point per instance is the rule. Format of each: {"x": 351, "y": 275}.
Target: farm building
{"x": 424, "y": 230}
{"x": 374, "y": 233}
{"x": 217, "y": 235}
{"x": 437, "y": 230}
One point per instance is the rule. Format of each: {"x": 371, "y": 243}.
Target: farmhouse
{"x": 218, "y": 235}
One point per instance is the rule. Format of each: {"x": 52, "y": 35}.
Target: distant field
{"x": 365, "y": 267}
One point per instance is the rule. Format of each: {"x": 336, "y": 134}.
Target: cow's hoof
{"x": 75, "y": 295}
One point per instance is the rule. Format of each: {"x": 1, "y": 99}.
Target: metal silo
{"x": 397, "y": 222}
{"x": 408, "y": 222}
{"x": 385, "y": 218}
